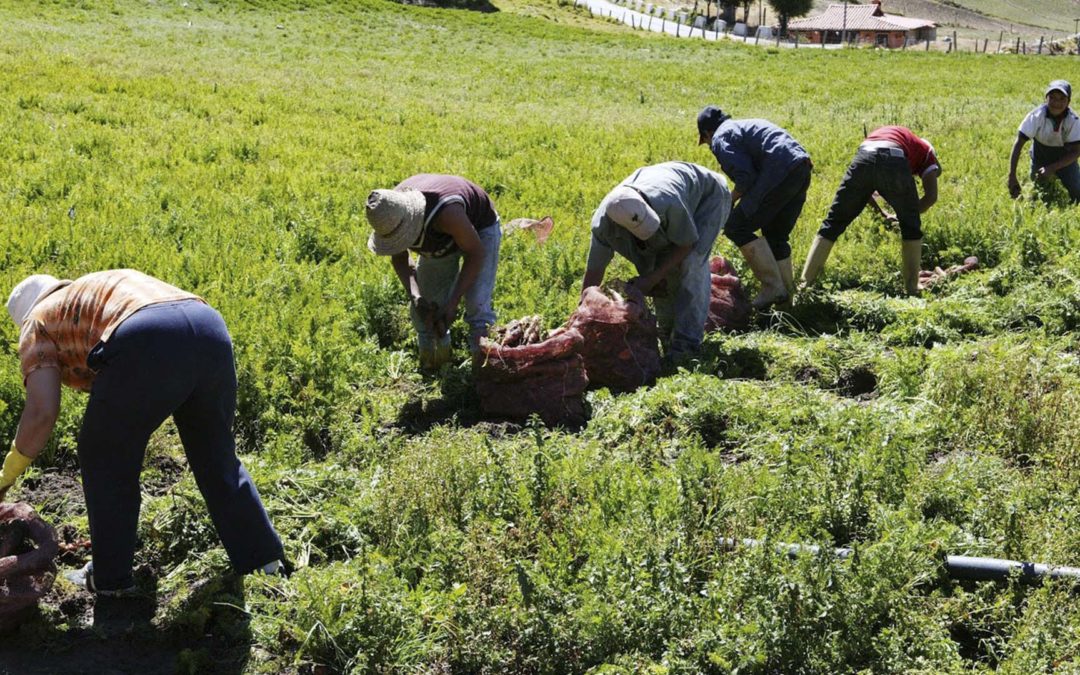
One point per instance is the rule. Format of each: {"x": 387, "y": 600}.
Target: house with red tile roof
{"x": 864, "y": 23}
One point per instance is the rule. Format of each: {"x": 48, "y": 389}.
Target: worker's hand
{"x": 1014, "y": 186}
{"x": 443, "y": 318}
{"x": 427, "y": 310}
{"x": 1044, "y": 174}
{"x": 644, "y": 284}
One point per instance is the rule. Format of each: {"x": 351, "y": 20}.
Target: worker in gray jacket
{"x": 664, "y": 219}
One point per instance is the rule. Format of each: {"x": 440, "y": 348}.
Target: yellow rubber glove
{"x": 14, "y": 465}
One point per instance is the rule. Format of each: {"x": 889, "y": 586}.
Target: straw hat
{"x": 396, "y": 216}
{"x": 28, "y": 293}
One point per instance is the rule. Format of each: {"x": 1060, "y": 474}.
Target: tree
{"x": 725, "y": 9}
{"x": 790, "y": 8}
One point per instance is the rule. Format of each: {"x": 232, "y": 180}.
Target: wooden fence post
{"x": 1017, "y": 45}
{"x": 1040, "y": 43}
{"x": 986, "y": 42}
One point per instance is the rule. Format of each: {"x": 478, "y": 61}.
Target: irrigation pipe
{"x": 958, "y": 566}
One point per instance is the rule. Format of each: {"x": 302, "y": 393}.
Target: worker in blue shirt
{"x": 771, "y": 172}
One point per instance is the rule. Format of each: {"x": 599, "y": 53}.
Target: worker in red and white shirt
{"x": 887, "y": 163}
{"x": 1054, "y": 130}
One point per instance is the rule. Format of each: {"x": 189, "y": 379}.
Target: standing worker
{"x": 771, "y": 172}
{"x": 452, "y": 226}
{"x": 1054, "y": 130}
{"x": 887, "y": 162}
{"x": 664, "y": 219}
{"x": 149, "y": 350}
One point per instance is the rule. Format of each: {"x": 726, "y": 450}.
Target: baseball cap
{"x": 708, "y": 121}
{"x": 1060, "y": 85}
{"x": 627, "y": 208}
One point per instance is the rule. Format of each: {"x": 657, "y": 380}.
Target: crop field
{"x": 229, "y": 147}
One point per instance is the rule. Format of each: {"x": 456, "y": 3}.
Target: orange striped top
{"x": 67, "y": 324}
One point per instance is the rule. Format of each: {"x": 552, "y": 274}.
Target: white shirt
{"x": 1039, "y": 126}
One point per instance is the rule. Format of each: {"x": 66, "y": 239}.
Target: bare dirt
{"x": 74, "y": 632}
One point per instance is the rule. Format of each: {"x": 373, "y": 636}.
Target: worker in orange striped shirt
{"x": 144, "y": 350}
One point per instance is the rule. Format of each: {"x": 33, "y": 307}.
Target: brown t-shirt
{"x": 440, "y": 190}
{"x": 67, "y": 324}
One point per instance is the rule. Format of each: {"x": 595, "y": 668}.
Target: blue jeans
{"x": 437, "y": 276}
{"x": 174, "y": 359}
{"x": 885, "y": 170}
{"x": 1041, "y": 155}
{"x": 681, "y": 313}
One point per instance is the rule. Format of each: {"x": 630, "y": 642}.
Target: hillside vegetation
{"x": 228, "y": 148}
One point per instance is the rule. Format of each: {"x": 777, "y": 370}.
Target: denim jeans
{"x": 437, "y": 276}
{"x": 681, "y": 313}
{"x": 168, "y": 359}
{"x": 776, "y": 216}
{"x": 886, "y": 171}
{"x": 1041, "y": 155}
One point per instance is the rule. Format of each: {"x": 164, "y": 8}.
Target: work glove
{"x": 14, "y": 465}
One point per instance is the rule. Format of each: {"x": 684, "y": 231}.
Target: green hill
{"x": 229, "y": 147}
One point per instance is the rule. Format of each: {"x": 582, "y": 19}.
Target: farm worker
{"x": 1055, "y": 131}
{"x": 887, "y": 162}
{"x": 144, "y": 350}
{"x": 771, "y": 172}
{"x": 451, "y": 225}
{"x": 664, "y": 219}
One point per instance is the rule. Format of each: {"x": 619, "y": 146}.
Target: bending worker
{"x": 149, "y": 350}
{"x": 887, "y": 162}
{"x": 771, "y": 172}
{"x": 451, "y": 225}
{"x": 664, "y": 219}
{"x": 1054, "y": 130}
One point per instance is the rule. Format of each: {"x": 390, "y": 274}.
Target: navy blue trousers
{"x": 168, "y": 359}
{"x": 776, "y": 215}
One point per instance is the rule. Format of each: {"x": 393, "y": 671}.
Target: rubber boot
{"x": 912, "y": 265}
{"x": 764, "y": 267}
{"x": 428, "y": 358}
{"x": 787, "y": 275}
{"x": 442, "y": 352}
{"x": 815, "y": 260}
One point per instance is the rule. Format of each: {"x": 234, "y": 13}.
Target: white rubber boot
{"x": 815, "y": 260}
{"x": 764, "y": 266}
{"x": 787, "y": 275}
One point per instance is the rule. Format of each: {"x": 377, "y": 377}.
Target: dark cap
{"x": 1057, "y": 85}
{"x": 708, "y": 121}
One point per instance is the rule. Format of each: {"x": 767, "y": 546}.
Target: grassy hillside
{"x": 228, "y": 148}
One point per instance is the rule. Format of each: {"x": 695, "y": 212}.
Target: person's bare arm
{"x": 35, "y": 426}
{"x": 930, "y": 190}
{"x": 670, "y": 262}
{"x": 39, "y": 415}
{"x": 1072, "y": 152}
{"x": 407, "y": 274}
{"x": 1014, "y": 160}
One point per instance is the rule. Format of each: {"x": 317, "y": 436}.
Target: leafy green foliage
{"x": 229, "y": 147}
